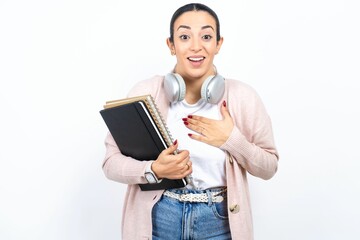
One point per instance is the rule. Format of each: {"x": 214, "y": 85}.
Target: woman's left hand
{"x": 212, "y": 132}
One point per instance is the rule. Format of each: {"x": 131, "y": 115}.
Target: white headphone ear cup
{"x": 182, "y": 87}
{"x": 204, "y": 89}
{"x": 175, "y": 87}
{"x": 213, "y": 88}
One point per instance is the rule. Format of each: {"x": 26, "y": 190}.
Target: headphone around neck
{"x": 212, "y": 89}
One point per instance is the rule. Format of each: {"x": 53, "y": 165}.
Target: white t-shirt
{"x": 208, "y": 161}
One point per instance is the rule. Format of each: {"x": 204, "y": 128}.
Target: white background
{"x": 61, "y": 60}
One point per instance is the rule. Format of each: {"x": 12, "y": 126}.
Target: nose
{"x": 196, "y": 45}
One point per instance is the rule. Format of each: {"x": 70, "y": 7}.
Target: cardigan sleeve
{"x": 259, "y": 159}
{"x": 120, "y": 168}
{"x": 251, "y": 141}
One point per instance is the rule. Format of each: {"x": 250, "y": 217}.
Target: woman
{"x": 222, "y": 131}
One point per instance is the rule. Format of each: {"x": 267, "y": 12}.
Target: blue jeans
{"x": 173, "y": 219}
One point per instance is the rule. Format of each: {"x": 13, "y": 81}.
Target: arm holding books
{"x": 121, "y": 168}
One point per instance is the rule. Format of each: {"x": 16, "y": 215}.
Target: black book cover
{"x": 137, "y": 136}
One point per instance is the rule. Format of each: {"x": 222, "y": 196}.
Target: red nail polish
{"x": 189, "y": 134}
{"x": 190, "y": 116}
{"x": 224, "y": 103}
{"x": 184, "y": 119}
{"x": 186, "y": 123}
{"x": 175, "y": 142}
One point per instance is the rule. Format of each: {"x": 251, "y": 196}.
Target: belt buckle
{"x": 217, "y": 198}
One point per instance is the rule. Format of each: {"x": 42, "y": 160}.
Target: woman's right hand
{"x": 171, "y": 166}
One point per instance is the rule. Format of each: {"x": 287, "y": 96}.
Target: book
{"x": 140, "y": 132}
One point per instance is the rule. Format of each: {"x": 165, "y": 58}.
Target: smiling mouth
{"x": 196, "y": 59}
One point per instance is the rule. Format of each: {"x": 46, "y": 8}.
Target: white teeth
{"x": 196, "y": 59}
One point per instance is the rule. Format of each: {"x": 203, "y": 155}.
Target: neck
{"x": 193, "y": 91}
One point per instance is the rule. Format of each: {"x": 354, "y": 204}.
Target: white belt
{"x": 195, "y": 197}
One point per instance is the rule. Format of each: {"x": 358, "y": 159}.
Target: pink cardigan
{"x": 250, "y": 148}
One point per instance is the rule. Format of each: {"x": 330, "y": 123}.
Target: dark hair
{"x": 193, "y": 7}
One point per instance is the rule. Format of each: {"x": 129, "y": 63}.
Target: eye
{"x": 207, "y": 37}
{"x": 184, "y": 37}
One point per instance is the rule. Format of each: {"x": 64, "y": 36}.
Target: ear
{"x": 218, "y": 44}
{"x": 170, "y": 46}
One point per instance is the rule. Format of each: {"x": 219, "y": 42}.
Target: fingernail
{"x": 175, "y": 142}
{"x": 186, "y": 123}
{"x": 189, "y": 134}
{"x": 190, "y": 116}
{"x": 184, "y": 119}
{"x": 224, "y": 103}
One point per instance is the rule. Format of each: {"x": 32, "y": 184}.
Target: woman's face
{"x": 195, "y": 45}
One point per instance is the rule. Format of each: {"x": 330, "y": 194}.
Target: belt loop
{"x": 210, "y": 197}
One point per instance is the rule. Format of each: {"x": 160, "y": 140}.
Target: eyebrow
{"x": 202, "y": 28}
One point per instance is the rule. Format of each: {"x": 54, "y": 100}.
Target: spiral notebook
{"x": 140, "y": 132}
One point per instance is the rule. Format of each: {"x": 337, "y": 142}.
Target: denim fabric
{"x": 175, "y": 220}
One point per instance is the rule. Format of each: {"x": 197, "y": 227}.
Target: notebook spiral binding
{"x": 159, "y": 120}
{"x": 150, "y": 102}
